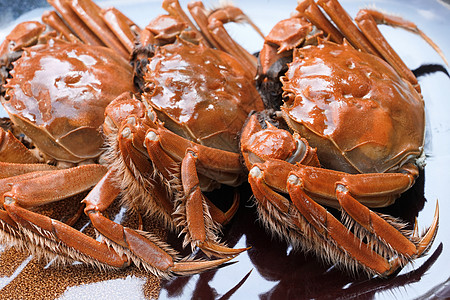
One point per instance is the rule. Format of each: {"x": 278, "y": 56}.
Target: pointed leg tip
{"x": 428, "y": 238}
{"x": 437, "y": 208}
{"x": 218, "y": 250}
{"x": 191, "y": 267}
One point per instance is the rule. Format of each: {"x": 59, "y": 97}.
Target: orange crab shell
{"x": 200, "y": 93}
{"x": 58, "y": 95}
{"x": 354, "y": 108}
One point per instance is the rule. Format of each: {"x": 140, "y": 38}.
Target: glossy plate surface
{"x": 270, "y": 270}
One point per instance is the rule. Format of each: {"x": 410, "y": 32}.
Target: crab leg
{"x": 427, "y": 240}
{"x": 199, "y": 221}
{"x": 31, "y": 192}
{"x": 198, "y": 12}
{"x": 131, "y": 141}
{"x": 154, "y": 142}
{"x": 214, "y": 21}
{"x": 11, "y": 174}
{"x": 216, "y": 28}
{"x": 210, "y": 158}
{"x": 62, "y": 238}
{"x": 275, "y": 209}
{"x": 76, "y": 24}
{"x": 162, "y": 161}
{"x": 148, "y": 250}
{"x": 384, "y": 235}
{"x": 373, "y": 190}
{"x": 23, "y": 179}
{"x": 133, "y": 145}
{"x": 368, "y": 26}
{"x": 36, "y": 191}
{"x": 122, "y": 26}
{"x": 330, "y": 228}
{"x": 368, "y": 20}
{"x": 52, "y": 19}
{"x": 66, "y": 240}
{"x": 196, "y": 215}
{"x": 233, "y": 14}
{"x": 265, "y": 192}
{"x": 7, "y": 183}
{"x": 5, "y": 219}
{"x": 223, "y": 217}
{"x": 311, "y": 11}
{"x": 399, "y": 246}
{"x": 157, "y": 141}
{"x": 173, "y": 7}
{"x": 89, "y": 12}
{"x": 380, "y": 227}
{"x": 102, "y": 195}
{"x": 316, "y": 226}
{"x": 345, "y": 24}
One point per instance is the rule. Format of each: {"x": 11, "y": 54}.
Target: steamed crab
{"x": 160, "y": 155}
{"x": 353, "y": 138}
{"x": 56, "y": 95}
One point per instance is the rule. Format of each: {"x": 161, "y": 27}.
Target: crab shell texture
{"x": 201, "y": 94}
{"x": 58, "y": 94}
{"x": 352, "y": 106}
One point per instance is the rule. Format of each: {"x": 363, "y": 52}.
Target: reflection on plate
{"x": 270, "y": 270}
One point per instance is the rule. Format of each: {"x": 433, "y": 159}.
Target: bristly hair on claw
{"x": 212, "y": 228}
{"x": 377, "y": 243}
{"x": 138, "y": 262}
{"x": 137, "y": 192}
{"x": 136, "y": 188}
{"x": 302, "y": 236}
{"x": 43, "y": 246}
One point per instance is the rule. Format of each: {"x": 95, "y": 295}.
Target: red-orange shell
{"x": 354, "y": 108}
{"x": 200, "y": 93}
{"x": 58, "y": 95}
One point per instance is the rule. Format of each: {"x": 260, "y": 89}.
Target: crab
{"x": 160, "y": 157}
{"x": 159, "y": 145}
{"x": 350, "y": 136}
{"x": 56, "y": 94}
{"x": 108, "y": 25}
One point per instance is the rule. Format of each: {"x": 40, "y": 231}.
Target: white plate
{"x": 278, "y": 273}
